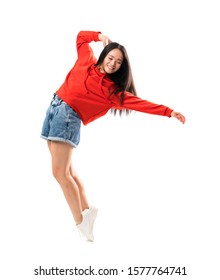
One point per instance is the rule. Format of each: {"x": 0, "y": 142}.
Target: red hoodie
{"x": 85, "y": 88}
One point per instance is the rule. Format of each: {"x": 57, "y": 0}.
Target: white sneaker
{"x": 86, "y": 226}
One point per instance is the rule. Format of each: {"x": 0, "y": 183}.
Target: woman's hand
{"x": 178, "y": 116}
{"x": 104, "y": 39}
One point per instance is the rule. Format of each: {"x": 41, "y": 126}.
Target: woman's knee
{"x": 59, "y": 173}
{"x": 74, "y": 175}
{"x": 56, "y": 172}
{"x": 61, "y": 159}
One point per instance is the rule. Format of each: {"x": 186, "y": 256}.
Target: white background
{"x": 154, "y": 180}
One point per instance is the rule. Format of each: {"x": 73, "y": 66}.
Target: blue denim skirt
{"x": 61, "y": 123}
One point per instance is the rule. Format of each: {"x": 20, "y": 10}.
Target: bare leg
{"x": 61, "y": 154}
{"x": 76, "y": 178}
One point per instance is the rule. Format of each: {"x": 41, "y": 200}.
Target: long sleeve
{"x": 83, "y": 40}
{"x": 132, "y": 102}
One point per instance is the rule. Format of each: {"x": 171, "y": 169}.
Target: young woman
{"x": 90, "y": 90}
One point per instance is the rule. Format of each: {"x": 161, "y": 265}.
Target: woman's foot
{"x": 86, "y": 226}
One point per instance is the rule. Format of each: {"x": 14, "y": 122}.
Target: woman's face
{"x": 112, "y": 62}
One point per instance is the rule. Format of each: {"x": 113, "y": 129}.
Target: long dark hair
{"x": 122, "y": 78}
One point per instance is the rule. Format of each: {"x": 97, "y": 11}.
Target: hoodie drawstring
{"x": 100, "y": 84}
